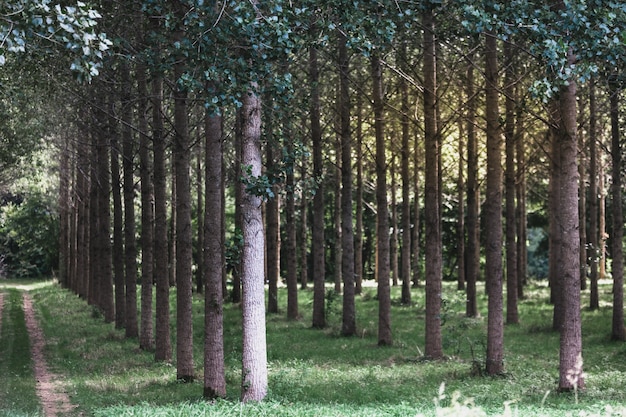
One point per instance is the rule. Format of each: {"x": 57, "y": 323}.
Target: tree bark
{"x": 358, "y": 232}
{"x": 570, "y": 359}
{"x": 254, "y": 364}
{"x": 146, "y": 327}
{"x": 130, "y": 246}
{"x": 512, "y": 316}
{"x": 272, "y": 234}
{"x": 118, "y": 233}
{"x": 319, "y": 268}
{"x": 432, "y": 215}
{"x": 348, "y": 323}
{"x": 618, "y": 331}
{"x": 406, "y": 184}
{"x": 594, "y": 301}
{"x": 214, "y": 373}
{"x": 382, "y": 214}
{"x": 493, "y": 213}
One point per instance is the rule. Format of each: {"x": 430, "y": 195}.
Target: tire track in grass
{"x": 54, "y": 399}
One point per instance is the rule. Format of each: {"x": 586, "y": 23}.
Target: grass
{"x": 17, "y": 384}
{"x": 318, "y": 372}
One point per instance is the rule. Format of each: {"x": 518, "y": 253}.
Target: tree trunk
{"x": 358, "y": 233}
{"x": 214, "y": 373}
{"x": 406, "y": 185}
{"x": 393, "y": 239}
{"x": 254, "y": 375}
{"x": 473, "y": 198}
{"x": 460, "y": 222}
{"x": 336, "y": 253}
{"x": 183, "y": 241}
{"x": 163, "y": 346}
{"x": 522, "y": 250}
{"x": 130, "y": 246}
{"x": 348, "y": 324}
{"x": 319, "y": 268}
{"x": 493, "y": 213}
{"x": 594, "y": 301}
{"x": 304, "y": 227}
{"x": 146, "y": 335}
{"x": 382, "y": 215}
{"x": 510, "y": 180}
{"x": 239, "y": 191}
{"x": 64, "y": 212}
{"x": 272, "y": 218}
{"x": 555, "y": 278}
{"x": 432, "y": 215}
{"x": 200, "y": 220}
{"x": 291, "y": 249}
{"x": 118, "y": 234}
{"x": 618, "y": 330}
{"x": 570, "y": 361}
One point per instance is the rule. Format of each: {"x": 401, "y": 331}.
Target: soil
{"x": 54, "y": 399}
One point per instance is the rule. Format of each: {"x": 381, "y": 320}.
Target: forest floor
{"x": 54, "y": 399}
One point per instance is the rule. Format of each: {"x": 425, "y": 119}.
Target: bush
{"x": 28, "y": 237}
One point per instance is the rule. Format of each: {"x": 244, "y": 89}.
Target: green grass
{"x": 320, "y": 373}
{"x": 17, "y": 384}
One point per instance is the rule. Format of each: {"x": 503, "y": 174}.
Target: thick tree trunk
{"x": 382, "y": 214}
{"x": 432, "y": 215}
{"x": 618, "y": 331}
{"x": 570, "y": 361}
{"x": 555, "y": 237}
{"x": 254, "y": 375}
{"x": 348, "y": 323}
{"x": 510, "y": 180}
{"x": 319, "y": 268}
{"x": 493, "y": 213}
{"x": 214, "y": 374}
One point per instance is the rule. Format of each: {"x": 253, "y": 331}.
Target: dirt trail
{"x": 54, "y": 398}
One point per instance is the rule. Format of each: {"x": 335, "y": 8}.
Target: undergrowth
{"x": 318, "y": 372}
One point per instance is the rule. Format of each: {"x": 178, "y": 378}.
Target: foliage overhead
{"x": 29, "y": 25}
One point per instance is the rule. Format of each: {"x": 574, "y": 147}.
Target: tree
{"x": 432, "y": 219}
{"x": 184, "y": 246}
{"x": 214, "y": 373}
{"x": 493, "y": 213}
{"x": 348, "y": 324}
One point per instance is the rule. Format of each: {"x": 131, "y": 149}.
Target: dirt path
{"x": 54, "y": 398}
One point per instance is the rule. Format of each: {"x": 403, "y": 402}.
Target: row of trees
{"x": 242, "y": 93}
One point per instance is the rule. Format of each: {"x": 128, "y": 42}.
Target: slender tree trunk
{"x": 358, "y": 233}
{"x": 200, "y": 220}
{"x": 416, "y": 277}
{"x": 460, "y": 222}
{"x": 319, "y": 269}
{"x": 118, "y": 235}
{"x": 510, "y": 180}
{"x": 432, "y": 215}
{"x": 555, "y": 278}
{"x": 239, "y": 191}
{"x": 146, "y": 334}
{"x": 348, "y": 324}
{"x": 64, "y": 212}
{"x": 337, "y": 250}
{"x": 618, "y": 331}
{"x": 254, "y": 375}
{"x": 130, "y": 246}
{"x": 602, "y": 221}
{"x": 163, "y": 344}
{"x": 493, "y": 213}
{"x": 214, "y": 373}
{"x": 473, "y": 203}
{"x": 570, "y": 360}
{"x": 522, "y": 250}
{"x": 406, "y": 185}
{"x": 83, "y": 240}
{"x": 304, "y": 224}
{"x": 382, "y": 214}
{"x": 291, "y": 249}
{"x": 183, "y": 241}
{"x": 393, "y": 239}
{"x": 594, "y": 301}
{"x": 272, "y": 235}
{"x": 173, "y": 240}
